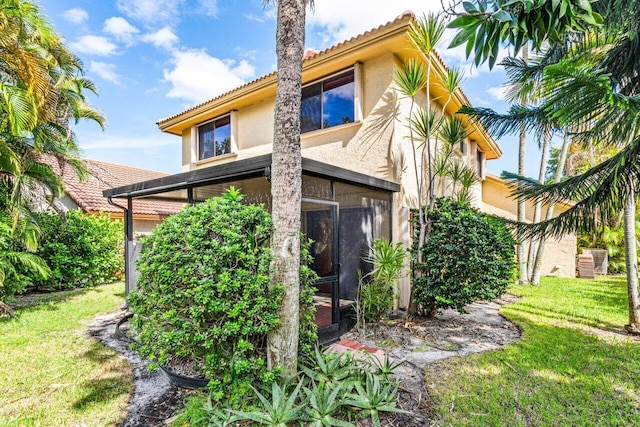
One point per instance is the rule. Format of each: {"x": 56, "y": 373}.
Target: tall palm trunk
{"x": 562, "y": 160}
{"x": 286, "y": 185}
{"x": 537, "y": 210}
{"x": 631, "y": 260}
{"x": 522, "y": 263}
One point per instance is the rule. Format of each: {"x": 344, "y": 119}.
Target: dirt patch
{"x": 419, "y": 344}
{"x": 154, "y": 400}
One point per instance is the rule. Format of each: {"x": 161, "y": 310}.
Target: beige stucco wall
{"x": 559, "y": 253}
{"x": 378, "y": 145}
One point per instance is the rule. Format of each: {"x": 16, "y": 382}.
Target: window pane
{"x": 338, "y": 100}
{"x": 206, "y": 138}
{"x": 223, "y": 136}
{"x": 318, "y": 188}
{"x": 310, "y": 109}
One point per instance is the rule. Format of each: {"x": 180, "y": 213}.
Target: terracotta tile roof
{"x": 309, "y": 54}
{"x": 102, "y": 175}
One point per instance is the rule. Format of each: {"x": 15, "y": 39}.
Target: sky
{"x": 152, "y": 59}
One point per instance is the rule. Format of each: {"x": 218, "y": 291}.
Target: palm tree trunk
{"x": 562, "y": 160}
{"x": 286, "y": 186}
{"x": 537, "y": 210}
{"x": 631, "y": 259}
{"x": 522, "y": 263}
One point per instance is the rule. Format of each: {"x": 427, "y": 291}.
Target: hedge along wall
{"x": 82, "y": 250}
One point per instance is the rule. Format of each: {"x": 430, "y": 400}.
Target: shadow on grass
{"x": 112, "y": 379}
{"x": 48, "y": 301}
{"x": 555, "y": 376}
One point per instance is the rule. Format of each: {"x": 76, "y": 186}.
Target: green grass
{"x": 572, "y": 367}
{"x": 51, "y": 372}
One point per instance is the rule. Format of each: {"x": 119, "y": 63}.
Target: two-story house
{"x": 357, "y": 181}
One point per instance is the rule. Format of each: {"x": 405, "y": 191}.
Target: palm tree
{"x": 41, "y": 95}
{"x": 590, "y": 83}
{"x": 286, "y": 184}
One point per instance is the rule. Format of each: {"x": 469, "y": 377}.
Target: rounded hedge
{"x": 467, "y": 256}
{"x": 203, "y": 294}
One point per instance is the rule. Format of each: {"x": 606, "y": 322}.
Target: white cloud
{"x": 75, "y": 15}
{"x": 164, "y": 11}
{"x": 256, "y": 18}
{"x": 105, "y": 71}
{"x": 164, "y": 38}
{"x": 498, "y": 92}
{"x": 94, "y": 45}
{"x": 338, "y": 20}
{"x": 150, "y": 10}
{"x": 120, "y": 29}
{"x": 198, "y": 76}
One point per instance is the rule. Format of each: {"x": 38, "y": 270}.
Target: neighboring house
{"x": 559, "y": 257}
{"x": 87, "y": 194}
{"x": 358, "y": 177}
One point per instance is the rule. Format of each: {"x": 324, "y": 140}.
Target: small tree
{"x": 468, "y": 256}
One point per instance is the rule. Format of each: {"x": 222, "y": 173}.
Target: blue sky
{"x": 154, "y": 58}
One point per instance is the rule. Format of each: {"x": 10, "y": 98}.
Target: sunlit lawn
{"x": 565, "y": 371}
{"x": 52, "y": 373}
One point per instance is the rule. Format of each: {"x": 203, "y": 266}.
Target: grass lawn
{"x": 572, "y": 367}
{"x": 51, "y": 373}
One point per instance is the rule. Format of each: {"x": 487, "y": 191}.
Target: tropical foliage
{"x": 41, "y": 95}
{"x": 487, "y": 24}
{"x": 331, "y": 390}
{"x": 433, "y": 134}
{"x": 203, "y": 294}
{"x": 376, "y": 289}
{"x": 468, "y": 256}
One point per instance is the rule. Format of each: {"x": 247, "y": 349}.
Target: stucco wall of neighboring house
{"x": 559, "y": 254}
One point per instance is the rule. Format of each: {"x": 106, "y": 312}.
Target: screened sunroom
{"x": 342, "y": 212}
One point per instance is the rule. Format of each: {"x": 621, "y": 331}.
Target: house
{"x": 357, "y": 181}
{"x": 87, "y": 195}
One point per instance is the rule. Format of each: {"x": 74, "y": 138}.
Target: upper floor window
{"x": 328, "y": 103}
{"x": 214, "y": 138}
{"x": 480, "y": 159}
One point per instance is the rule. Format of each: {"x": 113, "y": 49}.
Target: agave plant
{"x": 324, "y": 401}
{"x": 373, "y": 397}
{"x": 278, "y": 411}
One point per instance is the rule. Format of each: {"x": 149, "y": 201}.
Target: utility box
{"x": 600, "y": 259}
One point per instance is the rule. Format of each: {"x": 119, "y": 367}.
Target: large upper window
{"x": 328, "y": 103}
{"x": 214, "y": 138}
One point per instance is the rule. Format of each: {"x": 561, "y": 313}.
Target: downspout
{"x": 127, "y": 238}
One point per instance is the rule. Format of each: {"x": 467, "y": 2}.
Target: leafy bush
{"x": 79, "y": 250}
{"x": 376, "y": 289}
{"x": 83, "y": 250}
{"x": 203, "y": 294}
{"x": 467, "y": 256}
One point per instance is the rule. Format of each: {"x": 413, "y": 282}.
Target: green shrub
{"x": 376, "y": 289}
{"x": 203, "y": 294}
{"x": 468, "y": 256}
{"x": 83, "y": 250}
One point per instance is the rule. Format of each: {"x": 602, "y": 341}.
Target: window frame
{"x": 356, "y": 70}
{"x": 232, "y": 145}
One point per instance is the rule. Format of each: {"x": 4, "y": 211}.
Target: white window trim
{"x": 482, "y": 173}
{"x": 358, "y": 96}
{"x": 233, "y": 146}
